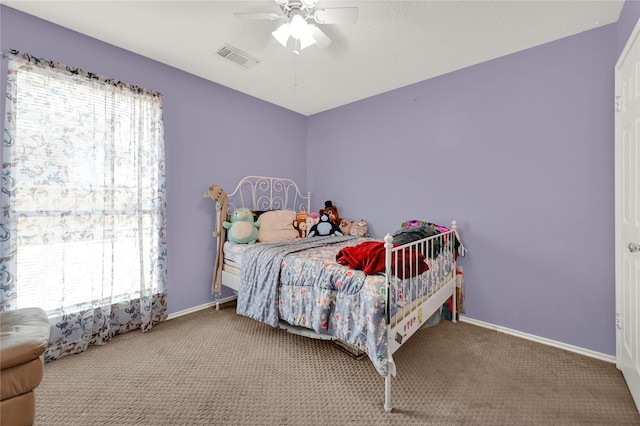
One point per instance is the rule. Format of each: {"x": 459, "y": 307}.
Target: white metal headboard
{"x": 268, "y": 193}
{"x": 258, "y": 193}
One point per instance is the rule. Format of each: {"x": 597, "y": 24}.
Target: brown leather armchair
{"x": 24, "y": 336}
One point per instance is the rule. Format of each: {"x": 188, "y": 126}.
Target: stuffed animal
{"x": 242, "y": 229}
{"x": 301, "y": 227}
{"x": 324, "y": 227}
{"x": 300, "y": 223}
{"x": 215, "y": 193}
{"x": 315, "y": 217}
{"x": 310, "y": 222}
{"x": 359, "y": 228}
{"x": 345, "y": 226}
{"x": 332, "y": 211}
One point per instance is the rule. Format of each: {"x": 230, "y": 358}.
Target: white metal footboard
{"x": 413, "y": 298}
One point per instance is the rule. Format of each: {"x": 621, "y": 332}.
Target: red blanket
{"x": 369, "y": 257}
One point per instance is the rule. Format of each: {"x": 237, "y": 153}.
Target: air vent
{"x": 238, "y": 56}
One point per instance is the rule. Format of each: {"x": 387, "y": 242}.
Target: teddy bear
{"x": 324, "y": 228}
{"x": 242, "y": 229}
{"x": 331, "y": 211}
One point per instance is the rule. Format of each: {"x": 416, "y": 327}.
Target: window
{"x": 82, "y": 192}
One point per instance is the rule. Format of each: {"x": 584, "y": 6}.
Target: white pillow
{"x": 276, "y": 226}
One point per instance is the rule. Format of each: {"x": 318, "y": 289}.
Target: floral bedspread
{"x": 301, "y": 283}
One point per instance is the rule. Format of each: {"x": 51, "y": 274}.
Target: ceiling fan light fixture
{"x": 282, "y": 34}
{"x": 298, "y": 29}
{"x": 306, "y": 39}
{"x": 309, "y": 3}
{"x": 300, "y": 17}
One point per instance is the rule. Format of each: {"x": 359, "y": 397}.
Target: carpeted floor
{"x": 218, "y": 368}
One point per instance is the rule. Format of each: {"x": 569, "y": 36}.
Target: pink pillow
{"x": 276, "y": 226}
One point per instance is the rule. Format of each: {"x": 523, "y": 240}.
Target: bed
{"x": 369, "y": 293}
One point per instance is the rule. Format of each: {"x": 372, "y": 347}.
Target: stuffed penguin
{"x": 324, "y": 227}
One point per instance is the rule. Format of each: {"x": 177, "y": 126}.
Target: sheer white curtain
{"x": 83, "y": 229}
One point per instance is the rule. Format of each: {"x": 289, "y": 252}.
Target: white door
{"x": 627, "y": 165}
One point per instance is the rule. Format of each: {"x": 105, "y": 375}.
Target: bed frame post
{"x": 454, "y": 299}
{"x": 388, "y": 245}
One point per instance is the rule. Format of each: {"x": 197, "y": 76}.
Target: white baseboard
{"x": 543, "y": 340}
{"x": 200, "y": 307}
{"x": 500, "y": 329}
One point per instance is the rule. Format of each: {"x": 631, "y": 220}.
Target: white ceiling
{"x": 393, "y": 44}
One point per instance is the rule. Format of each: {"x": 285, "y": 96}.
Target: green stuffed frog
{"x": 242, "y": 229}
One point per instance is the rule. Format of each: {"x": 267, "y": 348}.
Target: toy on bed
{"x": 331, "y": 211}
{"x": 301, "y": 224}
{"x": 310, "y": 222}
{"x": 324, "y": 228}
{"x": 356, "y": 227}
{"x": 359, "y": 228}
{"x": 345, "y": 226}
{"x": 313, "y": 218}
{"x": 242, "y": 229}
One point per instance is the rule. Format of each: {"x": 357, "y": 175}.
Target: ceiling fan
{"x": 297, "y": 15}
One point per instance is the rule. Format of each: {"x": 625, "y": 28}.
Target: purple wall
{"x": 519, "y": 150}
{"x": 205, "y": 123}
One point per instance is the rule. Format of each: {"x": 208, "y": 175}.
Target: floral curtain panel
{"x": 83, "y": 227}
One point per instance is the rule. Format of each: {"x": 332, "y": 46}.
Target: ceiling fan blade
{"x": 320, "y": 37}
{"x": 336, "y": 15}
{"x": 270, "y": 16}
